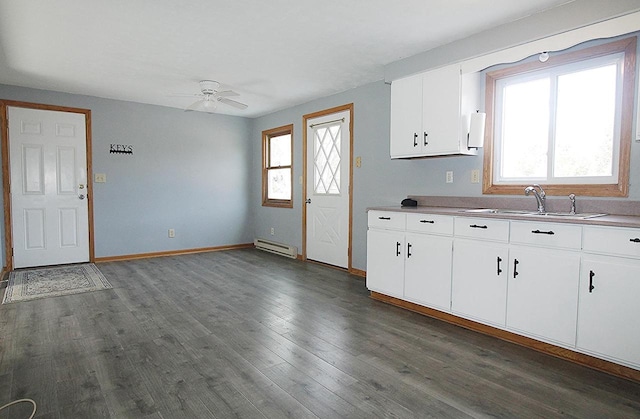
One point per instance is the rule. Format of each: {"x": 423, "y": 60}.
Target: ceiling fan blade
{"x": 233, "y": 103}
{"x": 203, "y": 105}
{"x": 227, "y": 93}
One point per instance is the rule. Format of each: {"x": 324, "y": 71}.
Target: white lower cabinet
{"x": 544, "y": 263}
{"x": 385, "y": 262}
{"x": 575, "y": 286}
{"x": 479, "y": 284}
{"x": 542, "y": 299}
{"x": 413, "y": 265}
{"x": 610, "y": 309}
{"x": 609, "y": 295}
{"x": 428, "y": 270}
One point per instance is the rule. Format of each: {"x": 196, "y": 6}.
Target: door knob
{"x": 81, "y": 196}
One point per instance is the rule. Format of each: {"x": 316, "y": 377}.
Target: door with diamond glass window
{"x": 328, "y": 157}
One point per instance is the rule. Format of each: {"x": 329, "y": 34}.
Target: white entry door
{"x": 328, "y": 157}
{"x": 49, "y": 210}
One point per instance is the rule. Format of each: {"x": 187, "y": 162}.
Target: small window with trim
{"x": 564, "y": 121}
{"x": 277, "y": 167}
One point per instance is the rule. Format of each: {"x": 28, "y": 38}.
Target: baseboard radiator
{"x": 277, "y": 248}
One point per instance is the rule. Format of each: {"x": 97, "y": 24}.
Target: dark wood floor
{"x": 249, "y": 334}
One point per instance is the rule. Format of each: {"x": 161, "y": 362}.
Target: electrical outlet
{"x": 475, "y": 176}
{"x": 273, "y": 231}
{"x": 449, "y": 176}
{"x": 172, "y": 233}
{"x": 358, "y": 161}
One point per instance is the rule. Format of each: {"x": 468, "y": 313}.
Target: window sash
{"x": 552, "y": 76}
{"x": 619, "y": 184}
{"x": 272, "y": 165}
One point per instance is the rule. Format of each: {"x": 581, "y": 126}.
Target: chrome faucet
{"x": 540, "y": 196}
{"x": 572, "y": 198}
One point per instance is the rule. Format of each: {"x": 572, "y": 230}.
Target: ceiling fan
{"x": 211, "y": 96}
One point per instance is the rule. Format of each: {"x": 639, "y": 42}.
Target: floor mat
{"x": 31, "y": 284}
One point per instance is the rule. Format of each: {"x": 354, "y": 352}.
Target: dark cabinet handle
{"x": 499, "y": 259}
{"x": 397, "y": 248}
{"x": 427, "y": 221}
{"x": 408, "y": 250}
{"x": 591, "y": 275}
{"x": 477, "y": 226}
{"x": 425, "y": 139}
{"x": 515, "y": 268}
{"x": 384, "y": 218}
{"x": 551, "y": 233}
{"x": 415, "y": 139}
{"x": 636, "y": 240}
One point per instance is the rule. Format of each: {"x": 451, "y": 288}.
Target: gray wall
{"x": 189, "y": 171}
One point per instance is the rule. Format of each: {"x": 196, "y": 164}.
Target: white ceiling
{"x": 275, "y": 53}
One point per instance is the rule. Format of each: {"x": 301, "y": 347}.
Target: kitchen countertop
{"x": 610, "y": 220}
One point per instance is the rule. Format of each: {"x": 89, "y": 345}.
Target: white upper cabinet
{"x": 430, "y": 113}
{"x": 406, "y": 117}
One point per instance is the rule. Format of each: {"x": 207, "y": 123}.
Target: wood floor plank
{"x": 36, "y": 381}
{"x": 249, "y": 334}
{"x": 266, "y": 396}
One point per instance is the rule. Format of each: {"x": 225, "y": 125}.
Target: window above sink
{"x": 564, "y": 122}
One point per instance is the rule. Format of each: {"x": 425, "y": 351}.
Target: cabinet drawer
{"x": 482, "y": 228}
{"x": 430, "y": 223}
{"x": 612, "y": 241}
{"x": 387, "y": 219}
{"x": 546, "y": 234}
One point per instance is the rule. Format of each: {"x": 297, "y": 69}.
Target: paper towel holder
{"x": 475, "y": 137}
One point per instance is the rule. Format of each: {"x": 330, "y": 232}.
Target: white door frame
{"x": 305, "y": 119}
{"x": 6, "y": 172}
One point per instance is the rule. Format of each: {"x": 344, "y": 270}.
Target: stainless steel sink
{"x": 496, "y": 211}
{"x": 566, "y": 215}
{"x": 581, "y": 216}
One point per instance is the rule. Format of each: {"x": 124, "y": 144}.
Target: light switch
{"x": 475, "y": 176}
{"x": 100, "y": 177}
{"x": 358, "y": 161}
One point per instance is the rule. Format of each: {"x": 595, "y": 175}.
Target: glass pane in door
{"x": 326, "y": 162}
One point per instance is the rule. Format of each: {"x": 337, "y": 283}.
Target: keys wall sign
{"x": 121, "y": 149}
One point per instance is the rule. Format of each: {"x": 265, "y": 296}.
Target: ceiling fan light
{"x": 210, "y": 96}
{"x": 203, "y": 105}
{"x": 209, "y": 105}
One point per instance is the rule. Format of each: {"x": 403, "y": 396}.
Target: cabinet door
{"x": 609, "y": 309}
{"x": 543, "y": 293}
{"x": 441, "y": 110}
{"x": 406, "y": 117}
{"x": 479, "y": 287}
{"x": 428, "y": 270}
{"x": 385, "y": 262}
